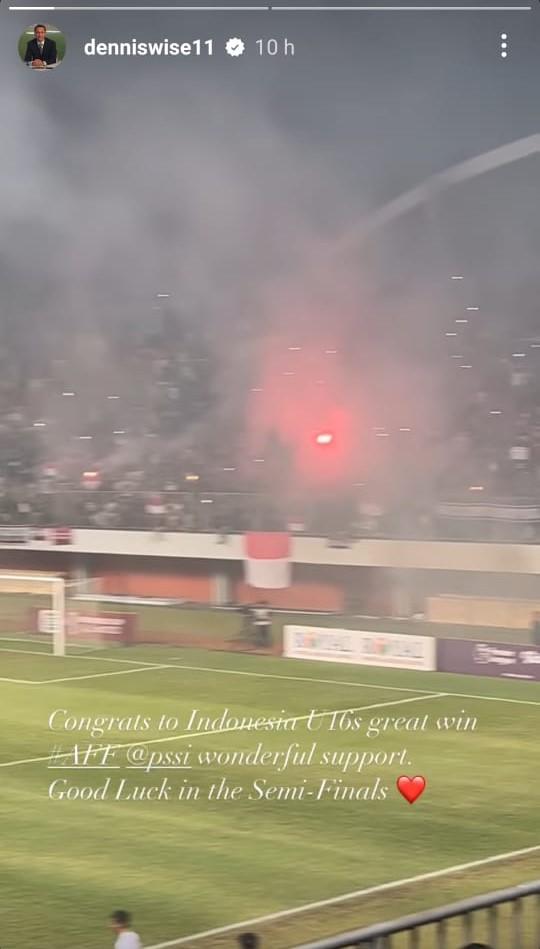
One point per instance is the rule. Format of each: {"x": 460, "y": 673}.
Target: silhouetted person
{"x": 476, "y": 945}
{"x": 248, "y": 941}
{"x": 262, "y": 622}
{"x": 245, "y": 629}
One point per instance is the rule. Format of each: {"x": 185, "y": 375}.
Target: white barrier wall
{"x": 360, "y": 647}
{"x": 482, "y": 611}
{"x": 404, "y": 554}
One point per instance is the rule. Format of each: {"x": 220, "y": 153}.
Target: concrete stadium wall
{"x": 315, "y": 551}
{"x": 478, "y": 611}
{"x": 375, "y": 589}
{"x": 324, "y": 597}
{"x": 196, "y": 589}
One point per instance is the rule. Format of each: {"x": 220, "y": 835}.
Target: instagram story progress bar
{"x": 282, "y": 8}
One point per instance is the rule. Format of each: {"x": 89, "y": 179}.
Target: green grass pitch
{"x": 186, "y": 866}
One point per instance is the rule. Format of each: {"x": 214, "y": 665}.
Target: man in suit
{"x": 41, "y": 51}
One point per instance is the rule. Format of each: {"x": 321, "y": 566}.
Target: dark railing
{"x": 224, "y": 512}
{"x": 517, "y": 929}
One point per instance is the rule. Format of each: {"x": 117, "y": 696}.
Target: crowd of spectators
{"x": 133, "y": 431}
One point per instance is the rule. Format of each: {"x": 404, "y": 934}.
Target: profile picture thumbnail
{"x": 42, "y": 46}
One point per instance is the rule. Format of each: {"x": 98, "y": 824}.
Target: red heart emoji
{"x": 411, "y": 788}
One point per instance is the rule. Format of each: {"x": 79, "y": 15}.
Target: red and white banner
{"x": 29, "y": 535}
{"x": 101, "y": 626}
{"x": 61, "y": 535}
{"x": 154, "y": 504}
{"x": 267, "y": 564}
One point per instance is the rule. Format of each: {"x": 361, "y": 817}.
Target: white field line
{"x": 146, "y": 667}
{"x": 41, "y": 642}
{"x": 41, "y": 652}
{"x": 31, "y": 652}
{"x": 360, "y": 685}
{"x": 219, "y": 731}
{"x": 248, "y": 924}
{"x": 285, "y": 678}
{"x": 49, "y": 655}
{"x": 97, "y": 675}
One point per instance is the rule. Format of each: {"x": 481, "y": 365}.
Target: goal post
{"x": 33, "y": 609}
{"x": 61, "y": 616}
{"x": 59, "y": 611}
{"x": 56, "y": 615}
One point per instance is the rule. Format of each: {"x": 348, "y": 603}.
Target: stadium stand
{"x": 129, "y": 432}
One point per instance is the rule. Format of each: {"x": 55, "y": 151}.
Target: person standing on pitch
{"x": 262, "y": 623}
{"x": 535, "y": 628}
{"x": 126, "y": 937}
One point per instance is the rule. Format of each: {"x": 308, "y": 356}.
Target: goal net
{"x": 57, "y": 615}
